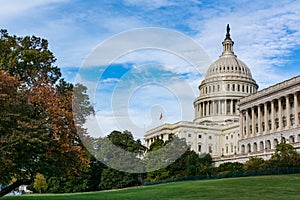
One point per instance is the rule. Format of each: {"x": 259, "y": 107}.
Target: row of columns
{"x": 149, "y": 141}
{"x": 245, "y": 124}
{"x": 230, "y": 87}
{"x": 208, "y": 108}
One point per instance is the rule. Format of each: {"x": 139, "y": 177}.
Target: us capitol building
{"x": 233, "y": 120}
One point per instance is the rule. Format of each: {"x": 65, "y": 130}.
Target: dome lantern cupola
{"x": 227, "y": 43}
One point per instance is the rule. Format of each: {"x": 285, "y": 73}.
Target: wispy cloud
{"x": 266, "y": 35}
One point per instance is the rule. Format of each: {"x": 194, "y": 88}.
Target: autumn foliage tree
{"x": 40, "y": 183}
{"x": 38, "y": 133}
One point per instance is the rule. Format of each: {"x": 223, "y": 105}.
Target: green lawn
{"x": 285, "y": 187}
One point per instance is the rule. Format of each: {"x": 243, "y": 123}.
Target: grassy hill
{"x": 254, "y": 188}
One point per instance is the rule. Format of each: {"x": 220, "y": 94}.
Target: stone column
{"x": 253, "y": 120}
{"x": 272, "y": 116}
{"x": 247, "y": 123}
{"x": 231, "y": 106}
{"x": 213, "y": 108}
{"x": 280, "y": 113}
{"x": 241, "y": 124}
{"x": 202, "y": 109}
{"x": 296, "y": 117}
{"x": 225, "y": 106}
{"x": 259, "y": 120}
{"x": 266, "y": 116}
{"x": 288, "y": 112}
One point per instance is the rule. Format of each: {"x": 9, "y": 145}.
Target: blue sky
{"x": 140, "y": 85}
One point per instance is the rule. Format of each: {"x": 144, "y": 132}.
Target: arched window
{"x": 243, "y": 149}
{"x": 249, "y": 148}
{"x": 261, "y": 146}
{"x": 291, "y": 139}
{"x": 275, "y": 142}
{"x": 254, "y": 147}
{"x": 268, "y": 144}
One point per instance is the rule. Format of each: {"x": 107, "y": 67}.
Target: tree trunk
{"x": 13, "y": 186}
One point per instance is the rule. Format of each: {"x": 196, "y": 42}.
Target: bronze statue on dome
{"x": 228, "y": 32}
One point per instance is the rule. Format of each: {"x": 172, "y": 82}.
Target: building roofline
{"x": 270, "y": 90}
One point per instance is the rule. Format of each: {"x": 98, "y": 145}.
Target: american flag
{"x": 161, "y": 116}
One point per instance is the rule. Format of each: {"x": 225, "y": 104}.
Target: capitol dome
{"x": 226, "y": 81}
{"x": 229, "y": 65}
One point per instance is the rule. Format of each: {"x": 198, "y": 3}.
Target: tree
{"x": 38, "y": 133}
{"x": 120, "y": 151}
{"x": 157, "y": 158}
{"x": 285, "y": 156}
{"x": 28, "y": 59}
{"x": 230, "y": 167}
{"x": 157, "y": 144}
{"x": 40, "y": 183}
{"x": 254, "y": 164}
{"x": 125, "y": 154}
{"x": 187, "y": 163}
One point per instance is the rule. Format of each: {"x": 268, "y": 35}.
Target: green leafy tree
{"x": 37, "y": 128}
{"x": 157, "y": 144}
{"x": 188, "y": 164}
{"x": 285, "y": 156}
{"x": 254, "y": 164}
{"x": 40, "y": 183}
{"x": 120, "y": 150}
{"x": 157, "y": 158}
{"x": 112, "y": 178}
{"x": 230, "y": 167}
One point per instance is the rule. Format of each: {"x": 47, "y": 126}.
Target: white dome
{"x": 228, "y": 64}
{"x": 226, "y": 81}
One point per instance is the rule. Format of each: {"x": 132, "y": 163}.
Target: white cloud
{"x": 264, "y": 38}
{"x": 265, "y": 34}
{"x": 150, "y": 4}
{"x": 12, "y": 9}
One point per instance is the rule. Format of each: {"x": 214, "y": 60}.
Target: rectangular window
{"x": 210, "y": 149}
{"x": 199, "y": 136}
{"x": 189, "y": 135}
{"x": 209, "y": 137}
{"x": 199, "y": 148}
